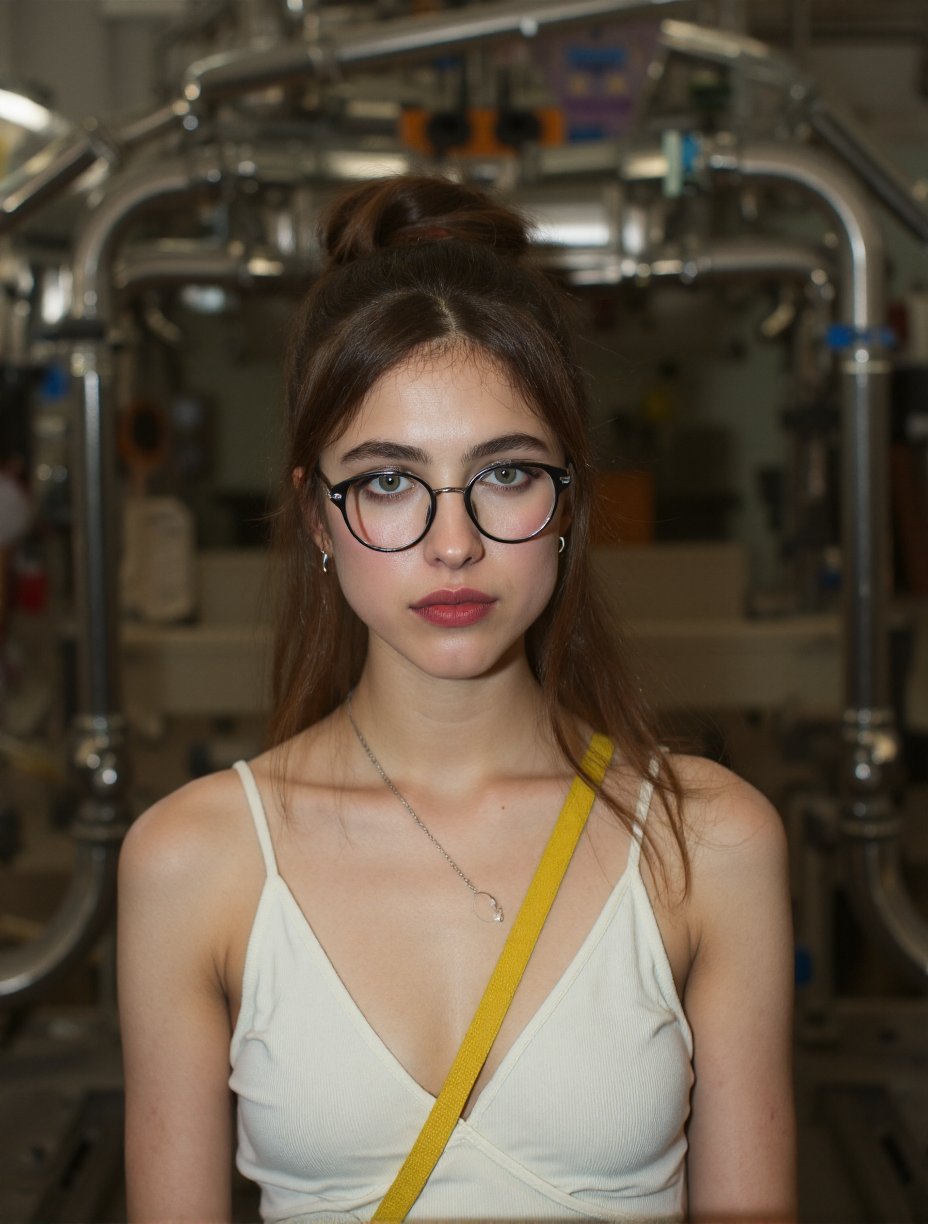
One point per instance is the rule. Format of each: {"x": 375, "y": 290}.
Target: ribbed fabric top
{"x": 584, "y": 1117}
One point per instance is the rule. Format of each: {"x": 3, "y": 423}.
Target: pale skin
{"x": 454, "y": 715}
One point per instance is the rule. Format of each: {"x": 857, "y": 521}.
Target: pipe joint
{"x": 871, "y": 752}
{"x": 870, "y": 818}
{"x": 98, "y": 758}
{"x": 103, "y": 143}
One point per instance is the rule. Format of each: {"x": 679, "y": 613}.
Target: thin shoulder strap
{"x": 492, "y": 1008}
{"x": 645, "y": 795}
{"x": 258, "y": 816}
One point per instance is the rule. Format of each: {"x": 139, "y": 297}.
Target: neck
{"x": 459, "y": 730}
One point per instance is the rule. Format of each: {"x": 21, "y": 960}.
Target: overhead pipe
{"x": 381, "y": 42}
{"x": 830, "y": 122}
{"x": 271, "y": 62}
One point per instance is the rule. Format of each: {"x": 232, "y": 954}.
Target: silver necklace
{"x": 486, "y": 907}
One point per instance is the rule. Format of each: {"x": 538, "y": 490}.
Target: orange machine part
{"x": 482, "y": 119}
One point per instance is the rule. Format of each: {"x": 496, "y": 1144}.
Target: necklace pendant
{"x": 487, "y": 908}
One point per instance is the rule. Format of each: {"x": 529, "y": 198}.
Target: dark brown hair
{"x": 418, "y": 264}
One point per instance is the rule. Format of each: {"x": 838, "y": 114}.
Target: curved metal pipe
{"x": 99, "y": 749}
{"x": 862, "y": 276}
{"x": 80, "y": 918}
{"x": 870, "y": 740}
{"x": 148, "y": 187}
{"x": 846, "y": 137}
{"x": 877, "y": 883}
{"x": 53, "y": 168}
{"x": 838, "y": 129}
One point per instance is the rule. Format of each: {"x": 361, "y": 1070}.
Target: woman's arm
{"x": 739, "y": 997}
{"x": 175, "y": 1024}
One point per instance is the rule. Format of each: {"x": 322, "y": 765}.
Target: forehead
{"x": 442, "y": 403}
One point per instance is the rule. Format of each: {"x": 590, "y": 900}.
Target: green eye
{"x": 506, "y": 476}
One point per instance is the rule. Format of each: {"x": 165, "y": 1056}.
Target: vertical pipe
{"x": 94, "y": 538}
{"x": 865, "y": 531}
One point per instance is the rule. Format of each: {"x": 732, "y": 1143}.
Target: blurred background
{"x": 736, "y": 194}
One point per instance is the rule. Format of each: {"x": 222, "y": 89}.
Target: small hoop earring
{"x": 325, "y": 562}
{"x": 562, "y": 544}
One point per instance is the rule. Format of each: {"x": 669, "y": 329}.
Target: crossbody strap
{"x": 501, "y": 988}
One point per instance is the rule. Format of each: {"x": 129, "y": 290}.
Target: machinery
{"x": 220, "y": 187}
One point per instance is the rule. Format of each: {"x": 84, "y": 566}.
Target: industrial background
{"x": 737, "y": 194}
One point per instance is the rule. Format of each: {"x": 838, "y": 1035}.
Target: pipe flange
{"x": 98, "y": 755}
{"x": 871, "y": 749}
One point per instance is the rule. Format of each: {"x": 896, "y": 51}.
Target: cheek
{"x": 369, "y": 579}
{"x": 541, "y": 574}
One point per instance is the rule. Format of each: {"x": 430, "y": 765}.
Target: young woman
{"x": 324, "y": 920}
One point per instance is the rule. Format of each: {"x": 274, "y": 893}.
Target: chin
{"x": 463, "y": 659}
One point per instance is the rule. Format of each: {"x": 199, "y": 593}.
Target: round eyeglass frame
{"x": 337, "y": 494}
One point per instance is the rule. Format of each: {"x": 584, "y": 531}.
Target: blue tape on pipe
{"x": 844, "y": 336}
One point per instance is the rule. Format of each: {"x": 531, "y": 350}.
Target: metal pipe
{"x": 79, "y": 920}
{"x": 832, "y": 123}
{"x": 146, "y": 188}
{"x": 202, "y": 265}
{"x": 869, "y": 737}
{"x": 847, "y": 138}
{"x": 729, "y": 47}
{"x": 269, "y": 63}
{"x": 877, "y": 882}
{"x": 53, "y": 168}
{"x": 98, "y": 735}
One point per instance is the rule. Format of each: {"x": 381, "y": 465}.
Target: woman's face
{"x": 456, "y": 604}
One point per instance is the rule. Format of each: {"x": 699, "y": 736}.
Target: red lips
{"x": 455, "y": 595}
{"x": 455, "y": 608}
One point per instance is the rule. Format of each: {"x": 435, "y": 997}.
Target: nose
{"x": 453, "y": 539}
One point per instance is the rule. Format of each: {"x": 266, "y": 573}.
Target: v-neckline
{"x": 526, "y": 1034}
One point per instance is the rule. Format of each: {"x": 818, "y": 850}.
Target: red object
{"x": 30, "y": 588}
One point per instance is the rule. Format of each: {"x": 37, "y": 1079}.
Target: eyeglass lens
{"x": 391, "y": 509}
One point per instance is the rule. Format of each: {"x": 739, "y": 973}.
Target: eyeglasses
{"x": 391, "y": 510}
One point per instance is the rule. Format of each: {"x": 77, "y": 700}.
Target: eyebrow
{"x": 396, "y": 452}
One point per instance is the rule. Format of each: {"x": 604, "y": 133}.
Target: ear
{"x": 315, "y": 525}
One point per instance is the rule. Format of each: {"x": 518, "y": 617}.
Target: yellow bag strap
{"x": 443, "y": 1117}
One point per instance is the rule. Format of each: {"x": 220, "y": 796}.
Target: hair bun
{"x": 409, "y": 209}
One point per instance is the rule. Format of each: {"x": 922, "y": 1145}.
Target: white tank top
{"x": 583, "y": 1119}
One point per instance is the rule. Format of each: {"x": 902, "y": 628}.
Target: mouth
{"x": 452, "y": 597}
{"x": 456, "y": 608}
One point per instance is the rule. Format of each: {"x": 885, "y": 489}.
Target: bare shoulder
{"x": 736, "y": 843}
{"x": 194, "y": 847}
{"x": 723, "y": 820}
{"x": 722, "y": 812}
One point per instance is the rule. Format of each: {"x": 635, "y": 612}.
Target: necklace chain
{"x": 489, "y": 903}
